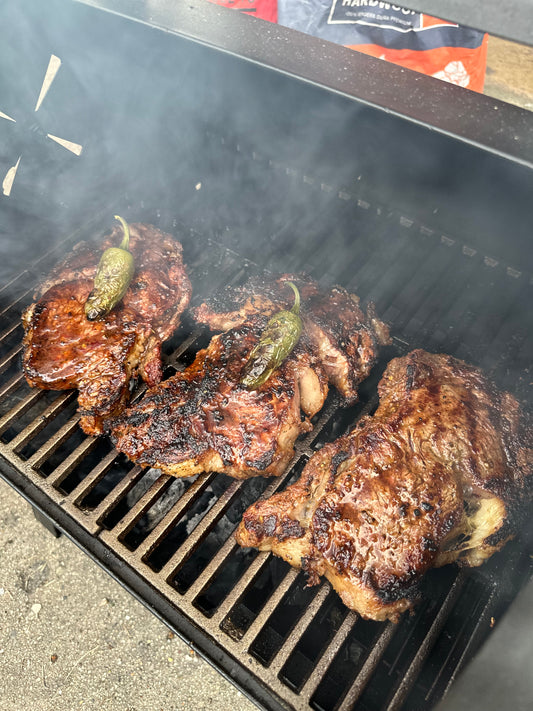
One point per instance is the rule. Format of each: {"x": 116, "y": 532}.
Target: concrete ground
{"x": 72, "y": 638}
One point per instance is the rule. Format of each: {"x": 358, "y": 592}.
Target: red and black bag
{"x": 382, "y": 29}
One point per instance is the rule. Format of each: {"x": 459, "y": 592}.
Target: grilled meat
{"x": 63, "y": 350}
{"x": 437, "y": 475}
{"x": 344, "y": 339}
{"x": 203, "y": 419}
{"x": 265, "y": 295}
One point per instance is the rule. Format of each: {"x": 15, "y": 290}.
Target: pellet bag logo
{"x": 375, "y": 14}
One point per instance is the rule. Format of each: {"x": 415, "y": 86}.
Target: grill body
{"x": 255, "y": 166}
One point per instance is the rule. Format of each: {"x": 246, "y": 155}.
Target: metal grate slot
{"x": 73, "y": 472}
{"x": 12, "y": 422}
{"x": 457, "y": 633}
{"x": 58, "y": 429}
{"x": 171, "y": 531}
{"x": 323, "y": 664}
{"x": 114, "y": 506}
{"x": 248, "y": 597}
{"x": 266, "y": 633}
{"x": 9, "y": 387}
{"x": 299, "y": 670}
{"x": 364, "y": 675}
{"x": 229, "y": 564}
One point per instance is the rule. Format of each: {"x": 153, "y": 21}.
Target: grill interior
{"x": 302, "y": 648}
{"x": 268, "y": 173}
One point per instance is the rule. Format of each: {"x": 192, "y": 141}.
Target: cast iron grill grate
{"x": 171, "y": 540}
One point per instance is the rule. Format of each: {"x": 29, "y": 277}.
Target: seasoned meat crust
{"x": 203, "y": 419}
{"x": 63, "y": 350}
{"x": 439, "y": 474}
{"x": 345, "y": 339}
{"x": 265, "y": 295}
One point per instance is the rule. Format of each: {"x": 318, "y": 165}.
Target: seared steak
{"x": 344, "y": 339}
{"x": 63, "y": 350}
{"x": 438, "y": 474}
{"x": 203, "y": 419}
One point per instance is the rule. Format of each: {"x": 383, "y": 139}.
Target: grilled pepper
{"x": 278, "y": 339}
{"x": 113, "y": 276}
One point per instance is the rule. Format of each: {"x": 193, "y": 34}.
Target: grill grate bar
{"x": 67, "y": 465}
{"x": 201, "y": 531}
{"x": 120, "y": 490}
{"x": 183, "y": 346}
{"x": 240, "y": 587}
{"x": 378, "y": 649}
{"x": 39, "y": 423}
{"x": 9, "y": 284}
{"x": 327, "y": 656}
{"x": 94, "y": 476}
{"x": 300, "y": 627}
{"x": 180, "y": 507}
{"x": 9, "y": 330}
{"x": 212, "y": 568}
{"x": 11, "y": 385}
{"x": 124, "y": 526}
{"x": 20, "y": 298}
{"x": 20, "y": 408}
{"x": 425, "y": 647}
{"x": 269, "y": 607}
{"x": 8, "y": 360}
{"x": 473, "y": 637}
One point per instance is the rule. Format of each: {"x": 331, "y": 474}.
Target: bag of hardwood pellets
{"x": 413, "y": 40}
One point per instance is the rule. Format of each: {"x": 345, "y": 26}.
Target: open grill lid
{"x": 480, "y": 120}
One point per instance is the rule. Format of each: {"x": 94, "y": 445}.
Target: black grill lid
{"x": 479, "y": 120}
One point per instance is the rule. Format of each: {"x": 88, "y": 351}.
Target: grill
{"x": 439, "y": 270}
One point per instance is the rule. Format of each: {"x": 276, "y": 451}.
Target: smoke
{"x": 285, "y": 173}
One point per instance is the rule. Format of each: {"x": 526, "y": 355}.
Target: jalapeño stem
{"x": 126, "y": 239}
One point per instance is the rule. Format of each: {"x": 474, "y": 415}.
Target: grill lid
{"x": 478, "y": 120}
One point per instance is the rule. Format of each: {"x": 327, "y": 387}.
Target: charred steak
{"x": 438, "y": 474}
{"x": 344, "y": 339}
{"x": 64, "y": 350}
{"x": 204, "y": 419}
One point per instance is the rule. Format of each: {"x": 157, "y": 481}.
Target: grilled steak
{"x": 203, "y": 419}
{"x": 438, "y": 474}
{"x": 344, "y": 339}
{"x": 63, "y": 350}
{"x": 265, "y": 295}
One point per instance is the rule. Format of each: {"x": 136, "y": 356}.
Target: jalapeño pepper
{"x": 278, "y": 339}
{"x": 113, "y": 276}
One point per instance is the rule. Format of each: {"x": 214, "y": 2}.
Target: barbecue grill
{"x": 260, "y": 149}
